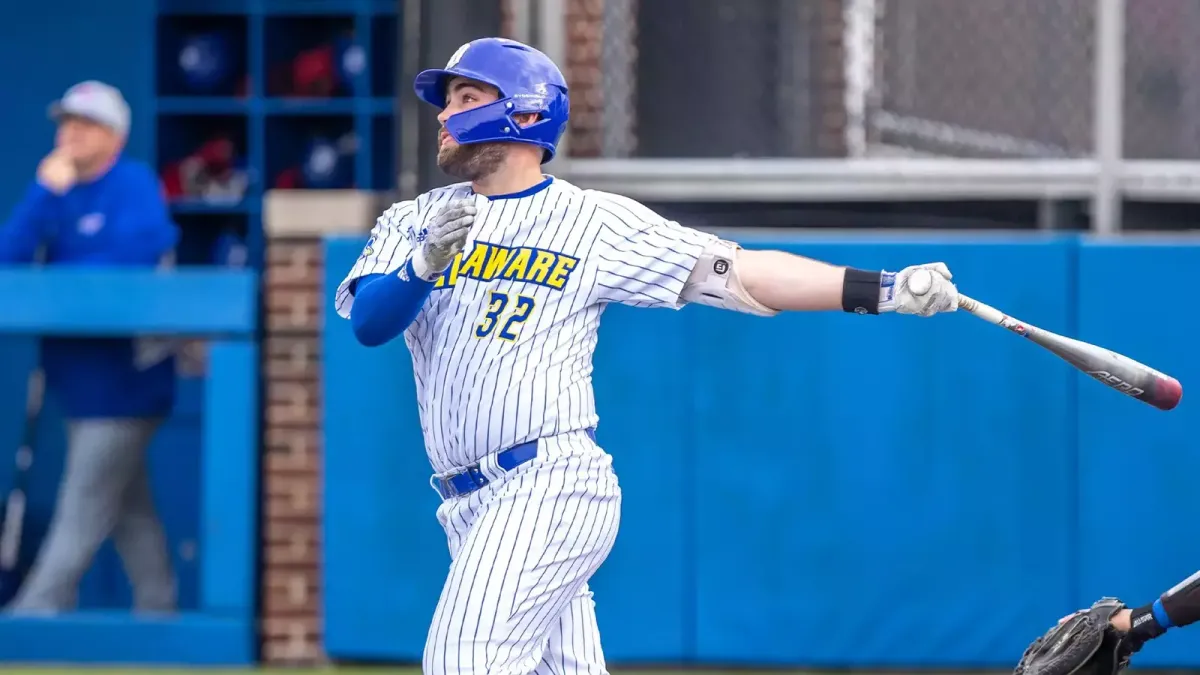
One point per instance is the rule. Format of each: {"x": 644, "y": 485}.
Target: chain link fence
{"x": 991, "y": 78}
{"x": 835, "y": 78}
{"x": 712, "y": 78}
{"x": 1162, "y": 79}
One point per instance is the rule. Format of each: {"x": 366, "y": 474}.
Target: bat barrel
{"x": 1114, "y": 370}
{"x": 1167, "y": 393}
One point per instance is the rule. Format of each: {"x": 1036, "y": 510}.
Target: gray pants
{"x": 105, "y": 491}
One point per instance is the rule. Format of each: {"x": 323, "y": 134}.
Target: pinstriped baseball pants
{"x": 523, "y": 548}
{"x": 105, "y": 491}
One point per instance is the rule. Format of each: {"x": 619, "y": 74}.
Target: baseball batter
{"x": 497, "y": 284}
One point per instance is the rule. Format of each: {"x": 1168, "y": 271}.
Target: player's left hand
{"x": 444, "y": 238}
{"x": 1084, "y": 643}
{"x": 923, "y": 290}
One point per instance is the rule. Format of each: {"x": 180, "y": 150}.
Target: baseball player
{"x": 1101, "y": 640}
{"x": 497, "y": 284}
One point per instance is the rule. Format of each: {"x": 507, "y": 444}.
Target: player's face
{"x": 467, "y": 162}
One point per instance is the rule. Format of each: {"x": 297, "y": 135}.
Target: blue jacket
{"x": 119, "y": 219}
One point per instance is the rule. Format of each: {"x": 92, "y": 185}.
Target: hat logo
{"x": 457, "y": 56}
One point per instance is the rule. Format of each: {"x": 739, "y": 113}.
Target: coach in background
{"x": 89, "y": 206}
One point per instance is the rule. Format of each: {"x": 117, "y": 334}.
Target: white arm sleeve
{"x": 387, "y": 250}
{"x": 643, "y": 259}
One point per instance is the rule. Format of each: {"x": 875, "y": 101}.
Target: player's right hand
{"x": 57, "y": 172}
{"x": 922, "y": 290}
{"x": 444, "y": 238}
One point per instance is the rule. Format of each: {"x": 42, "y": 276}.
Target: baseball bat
{"x": 13, "y": 522}
{"x": 1109, "y": 368}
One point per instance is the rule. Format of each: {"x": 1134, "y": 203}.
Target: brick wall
{"x": 582, "y": 70}
{"x": 585, "y": 35}
{"x": 831, "y": 55}
{"x": 291, "y": 594}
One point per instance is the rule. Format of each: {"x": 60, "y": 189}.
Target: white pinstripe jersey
{"x": 502, "y": 348}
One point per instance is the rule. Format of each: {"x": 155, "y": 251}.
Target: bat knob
{"x": 920, "y": 281}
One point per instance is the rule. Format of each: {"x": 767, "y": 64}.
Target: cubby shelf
{"x": 203, "y": 105}
{"x": 302, "y": 91}
{"x": 277, "y": 7}
{"x": 346, "y": 106}
{"x": 189, "y": 207}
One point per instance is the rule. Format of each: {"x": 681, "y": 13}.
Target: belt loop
{"x": 438, "y": 486}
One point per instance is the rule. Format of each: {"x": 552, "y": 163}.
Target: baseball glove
{"x": 1084, "y": 643}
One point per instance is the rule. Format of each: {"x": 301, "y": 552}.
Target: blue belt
{"x": 471, "y": 478}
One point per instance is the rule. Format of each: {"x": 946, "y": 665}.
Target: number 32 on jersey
{"x": 506, "y": 312}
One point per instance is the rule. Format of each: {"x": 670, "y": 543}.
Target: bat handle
{"x": 995, "y": 316}
{"x": 968, "y": 303}
{"x": 985, "y": 312}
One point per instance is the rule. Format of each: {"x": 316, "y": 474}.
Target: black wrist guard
{"x": 1179, "y": 606}
{"x": 860, "y": 291}
{"x": 1143, "y": 626}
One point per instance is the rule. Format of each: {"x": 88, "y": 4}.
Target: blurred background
{"x": 821, "y": 493}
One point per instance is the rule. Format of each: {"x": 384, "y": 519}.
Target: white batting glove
{"x": 444, "y": 239}
{"x": 923, "y": 290}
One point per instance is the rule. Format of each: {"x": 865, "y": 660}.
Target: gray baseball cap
{"x": 102, "y": 103}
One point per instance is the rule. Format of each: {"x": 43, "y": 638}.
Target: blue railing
{"x": 218, "y": 623}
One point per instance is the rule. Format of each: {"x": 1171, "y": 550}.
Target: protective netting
{"x": 1011, "y": 78}
{"x": 708, "y": 78}
{"x": 817, "y": 78}
{"x": 717, "y": 78}
{"x": 1162, "y": 79}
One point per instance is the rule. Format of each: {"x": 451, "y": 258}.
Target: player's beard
{"x": 471, "y": 162}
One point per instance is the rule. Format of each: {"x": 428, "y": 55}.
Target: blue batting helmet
{"x": 528, "y": 82}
